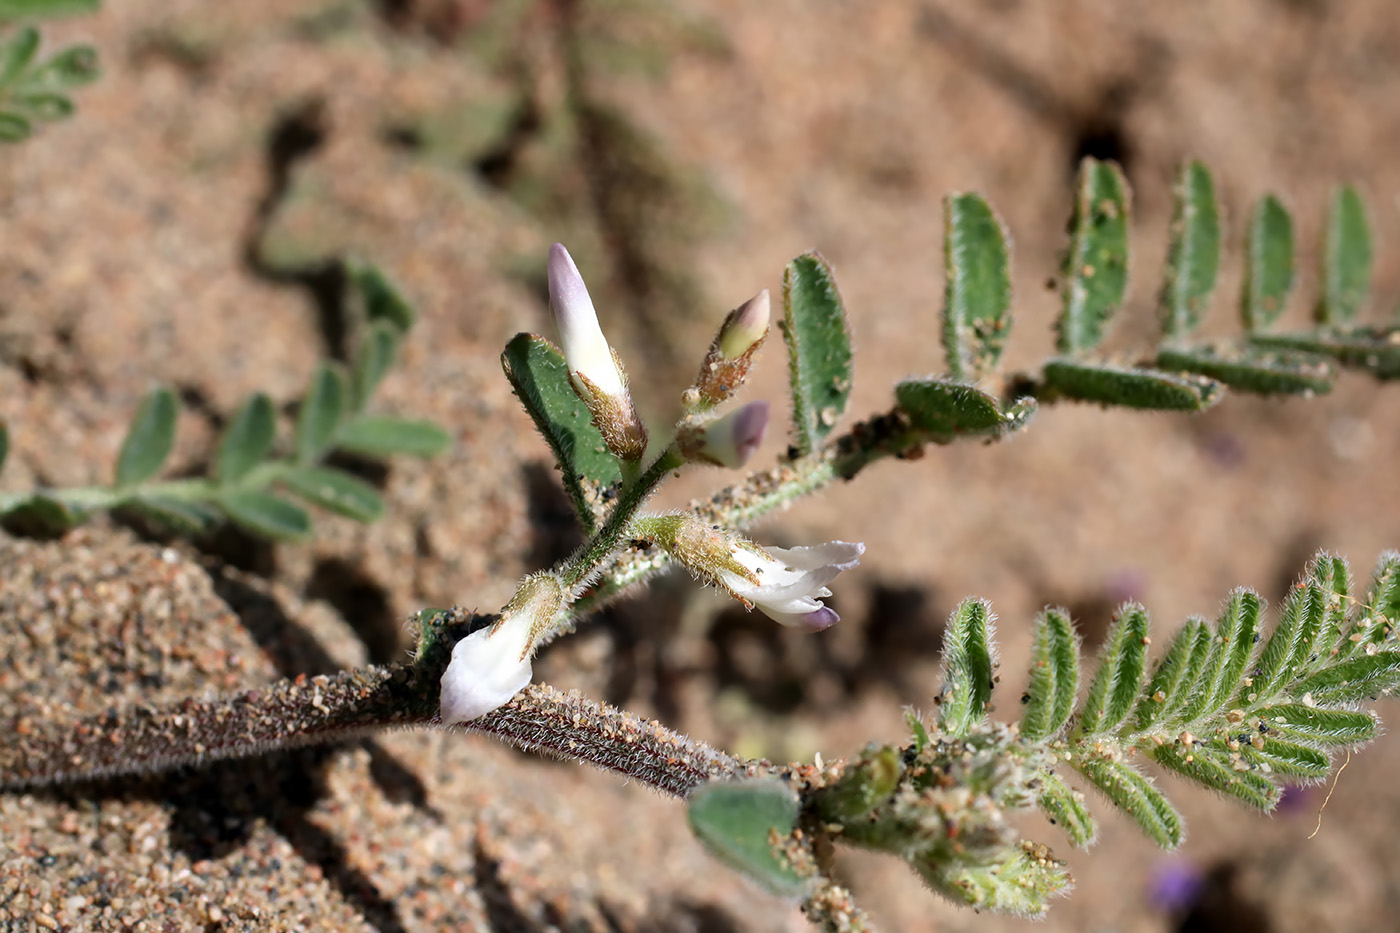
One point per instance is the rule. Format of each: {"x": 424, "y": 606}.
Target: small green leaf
{"x": 36, "y": 9}
{"x": 1017, "y": 881}
{"x": 735, "y": 820}
{"x": 1309, "y": 725}
{"x": 1096, "y": 264}
{"x": 977, "y": 296}
{"x": 187, "y": 515}
{"x": 1346, "y": 260}
{"x": 1117, "y": 683}
{"x": 16, "y": 52}
{"x": 1268, "y": 270}
{"x": 819, "y": 349}
{"x": 1050, "y": 697}
{"x": 384, "y": 435}
{"x": 334, "y": 490}
{"x": 40, "y": 516}
{"x": 1238, "y": 632}
{"x": 945, "y": 410}
{"x": 1214, "y": 767}
{"x": 1193, "y": 259}
{"x": 1174, "y": 676}
{"x": 968, "y": 667}
{"x": 321, "y": 412}
{"x": 1373, "y": 349}
{"x": 540, "y": 377}
{"x": 1292, "y": 639}
{"x": 264, "y": 514}
{"x": 375, "y": 357}
{"x": 1064, "y": 807}
{"x": 1135, "y": 795}
{"x": 1253, "y": 369}
{"x": 14, "y": 128}
{"x": 149, "y": 439}
{"x": 1362, "y": 677}
{"x": 1130, "y": 388}
{"x": 246, "y": 440}
{"x": 383, "y": 300}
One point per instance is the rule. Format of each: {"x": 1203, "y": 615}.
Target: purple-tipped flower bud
{"x": 728, "y": 441}
{"x": 727, "y": 363}
{"x": 594, "y": 370}
{"x": 491, "y": 665}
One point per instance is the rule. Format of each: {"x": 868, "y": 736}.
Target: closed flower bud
{"x": 491, "y": 665}
{"x": 727, "y": 363}
{"x": 594, "y": 370}
{"x": 728, "y": 441}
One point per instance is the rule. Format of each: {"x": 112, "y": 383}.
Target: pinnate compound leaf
{"x": 246, "y": 440}
{"x": 819, "y": 349}
{"x": 383, "y": 435}
{"x": 1130, "y": 388}
{"x": 968, "y": 667}
{"x": 1176, "y": 675}
{"x": 977, "y": 296}
{"x": 1117, "y": 683}
{"x": 1136, "y": 795}
{"x": 539, "y": 376}
{"x": 736, "y": 819}
{"x": 334, "y": 490}
{"x": 320, "y": 413}
{"x": 383, "y": 299}
{"x": 1096, "y": 264}
{"x": 375, "y": 357}
{"x": 944, "y": 409}
{"x": 1268, "y": 270}
{"x": 265, "y": 514}
{"x": 1050, "y": 697}
{"x": 1193, "y": 259}
{"x": 1254, "y": 369}
{"x": 1064, "y": 806}
{"x": 1217, "y": 768}
{"x": 1346, "y": 259}
{"x": 149, "y": 439}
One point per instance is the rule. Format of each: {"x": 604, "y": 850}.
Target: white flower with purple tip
{"x": 791, "y": 582}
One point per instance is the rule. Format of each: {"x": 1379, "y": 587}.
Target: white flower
{"x": 728, "y": 441}
{"x": 790, "y": 581}
{"x": 491, "y": 665}
{"x": 585, "y": 348}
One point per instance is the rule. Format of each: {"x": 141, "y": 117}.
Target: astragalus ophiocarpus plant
{"x": 1233, "y": 705}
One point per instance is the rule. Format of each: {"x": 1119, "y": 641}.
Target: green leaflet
{"x": 189, "y": 515}
{"x": 17, "y": 51}
{"x": 383, "y": 300}
{"x": 1363, "y": 677}
{"x": 1382, "y": 612}
{"x": 1213, "y": 767}
{"x": 1333, "y": 578}
{"x": 1268, "y": 269}
{"x": 334, "y": 490}
{"x": 383, "y": 435}
{"x": 1019, "y": 883}
{"x": 1324, "y": 727}
{"x": 1346, "y": 260}
{"x": 945, "y": 410}
{"x": 375, "y": 357}
{"x": 1054, "y": 684}
{"x": 246, "y": 440}
{"x": 1175, "y": 675}
{"x": 264, "y": 514}
{"x": 1117, "y": 683}
{"x": 1135, "y": 795}
{"x": 1253, "y": 369}
{"x": 1373, "y": 349}
{"x": 1289, "y": 759}
{"x": 149, "y": 439}
{"x": 977, "y": 294}
{"x": 1292, "y": 640}
{"x": 967, "y": 667}
{"x": 40, "y": 516}
{"x": 735, "y": 819}
{"x": 540, "y": 377}
{"x": 819, "y": 349}
{"x": 1064, "y": 807}
{"x": 1193, "y": 258}
{"x": 1096, "y": 263}
{"x": 1130, "y": 388}
{"x": 321, "y": 412}
{"x": 1196, "y": 688}
{"x": 1237, "y": 631}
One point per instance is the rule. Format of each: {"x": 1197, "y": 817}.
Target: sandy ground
{"x": 177, "y": 231}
